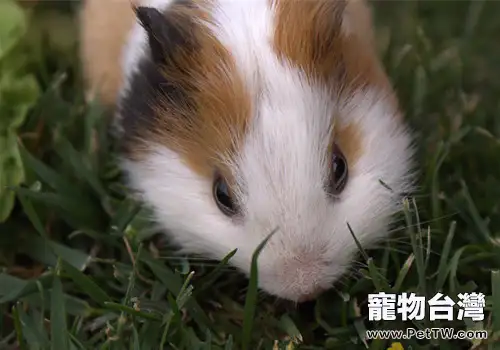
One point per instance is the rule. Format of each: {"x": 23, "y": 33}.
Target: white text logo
{"x": 409, "y": 306}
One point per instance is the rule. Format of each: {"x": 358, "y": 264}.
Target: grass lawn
{"x": 81, "y": 264}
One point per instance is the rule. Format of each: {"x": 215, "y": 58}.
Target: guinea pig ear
{"x": 162, "y": 34}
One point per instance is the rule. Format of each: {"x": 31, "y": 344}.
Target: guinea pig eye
{"x": 339, "y": 171}
{"x": 223, "y": 198}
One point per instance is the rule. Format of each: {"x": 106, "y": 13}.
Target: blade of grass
{"x": 207, "y": 280}
{"x": 33, "y": 333}
{"x": 417, "y": 249}
{"x": 125, "y": 214}
{"x": 358, "y": 243}
{"x": 361, "y": 330}
{"x": 229, "y": 343}
{"x": 251, "y": 296}
{"x": 420, "y": 238}
{"x": 19, "y": 329}
{"x": 174, "y": 285}
{"x": 126, "y": 300}
{"x": 76, "y": 160}
{"x": 420, "y": 90}
{"x": 74, "y": 306}
{"x": 86, "y": 284}
{"x": 173, "y": 315}
{"x": 441, "y": 154}
{"x": 9, "y": 283}
{"x": 403, "y": 272}
{"x": 47, "y": 252}
{"x": 288, "y": 326}
{"x": 474, "y": 213}
{"x": 75, "y": 343}
{"x": 70, "y": 207}
{"x": 42, "y": 308}
{"x": 377, "y": 278}
{"x": 30, "y": 212}
{"x": 186, "y": 291}
{"x": 453, "y": 268}
{"x": 58, "y": 326}
{"x": 473, "y": 14}
{"x": 149, "y": 335}
{"x": 495, "y": 286}
{"x": 136, "y": 345}
{"x": 131, "y": 311}
{"x": 25, "y": 287}
{"x": 46, "y": 174}
{"x": 443, "y": 260}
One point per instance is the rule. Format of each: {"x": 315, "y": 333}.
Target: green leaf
{"x": 13, "y": 25}
{"x": 11, "y": 173}
{"x": 19, "y": 94}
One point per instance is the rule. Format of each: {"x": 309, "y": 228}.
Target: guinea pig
{"x": 239, "y": 118}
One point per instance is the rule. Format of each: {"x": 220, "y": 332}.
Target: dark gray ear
{"x": 163, "y": 36}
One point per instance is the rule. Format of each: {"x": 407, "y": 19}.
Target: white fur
{"x": 281, "y": 170}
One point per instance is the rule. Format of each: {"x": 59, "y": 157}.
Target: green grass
{"x": 81, "y": 264}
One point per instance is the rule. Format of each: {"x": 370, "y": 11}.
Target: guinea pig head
{"x": 243, "y": 118}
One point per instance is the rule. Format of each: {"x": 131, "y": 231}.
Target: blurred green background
{"x": 82, "y": 267}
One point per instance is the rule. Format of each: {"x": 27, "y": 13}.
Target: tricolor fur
{"x": 258, "y": 91}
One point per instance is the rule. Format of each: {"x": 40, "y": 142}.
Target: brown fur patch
{"x": 350, "y": 141}
{"x": 311, "y": 35}
{"x": 332, "y": 42}
{"x": 103, "y": 32}
{"x": 306, "y": 35}
{"x": 209, "y": 124}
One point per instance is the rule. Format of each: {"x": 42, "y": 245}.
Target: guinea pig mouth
{"x": 299, "y": 293}
{"x": 311, "y": 296}
{"x": 297, "y": 281}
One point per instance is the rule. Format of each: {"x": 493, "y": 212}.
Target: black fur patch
{"x": 136, "y": 107}
{"x": 162, "y": 34}
{"x": 149, "y": 85}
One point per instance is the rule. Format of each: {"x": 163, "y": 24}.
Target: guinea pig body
{"x": 238, "y": 118}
